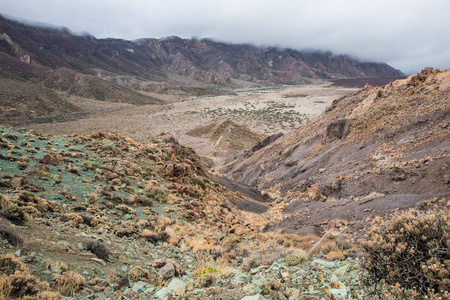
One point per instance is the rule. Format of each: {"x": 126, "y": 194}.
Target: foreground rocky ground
{"x": 101, "y": 216}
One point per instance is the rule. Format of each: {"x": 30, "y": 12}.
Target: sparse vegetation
{"x": 276, "y": 113}
{"x": 294, "y": 95}
{"x": 5, "y": 287}
{"x": 18, "y": 281}
{"x": 69, "y": 283}
{"x": 269, "y": 253}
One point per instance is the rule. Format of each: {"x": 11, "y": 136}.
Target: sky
{"x": 407, "y": 34}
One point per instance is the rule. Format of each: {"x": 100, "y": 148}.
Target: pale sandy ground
{"x": 248, "y": 108}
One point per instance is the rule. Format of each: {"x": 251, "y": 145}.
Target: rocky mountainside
{"x": 176, "y": 59}
{"x": 373, "y": 151}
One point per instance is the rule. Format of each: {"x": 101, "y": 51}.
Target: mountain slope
{"x": 169, "y": 58}
{"x": 387, "y": 144}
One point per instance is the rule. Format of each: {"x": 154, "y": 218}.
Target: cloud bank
{"x": 408, "y": 35}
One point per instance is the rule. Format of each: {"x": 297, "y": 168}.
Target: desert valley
{"x": 192, "y": 169}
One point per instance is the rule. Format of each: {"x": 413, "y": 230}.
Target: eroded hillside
{"x": 370, "y": 152}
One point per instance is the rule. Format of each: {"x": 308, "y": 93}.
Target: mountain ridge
{"x": 169, "y": 58}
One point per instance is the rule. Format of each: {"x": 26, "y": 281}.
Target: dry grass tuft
{"x": 69, "y": 283}
{"x": 154, "y": 237}
{"x": 335, "y": 255}
{"x": 11, "y": 211}
{"x": 138, "y": 273}
{"x": 5, "y": 287}
{"x": 26, "y": 284}
{"x": 9, "y": 265}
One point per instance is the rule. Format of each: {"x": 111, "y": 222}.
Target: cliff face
{"x": 164, "y": 59}
{"x": 387, "y": 143}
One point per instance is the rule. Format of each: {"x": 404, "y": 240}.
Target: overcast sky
{"x": 407, "y": 34}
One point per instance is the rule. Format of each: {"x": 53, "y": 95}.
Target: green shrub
{"x": 409, "y": 256}
{"x": 295, "y": 258}
{"x": 198, "y": 181}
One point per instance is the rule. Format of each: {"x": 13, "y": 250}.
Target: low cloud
{"x": 409, "y": 35}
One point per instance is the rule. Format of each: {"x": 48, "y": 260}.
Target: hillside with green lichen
{"x": 107, "y": 216}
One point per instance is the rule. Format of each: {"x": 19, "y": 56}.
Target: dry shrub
{"x": 5, "y": 287}
{"x": 9, "y": 265}
{"x": 92, "y": 198}
{"x": 26, "y": 284}
{"x": 291, "y": 240}
{"x": 265, "y": 256}
{"x": 154, "y": 237}
{"x": 9, "y": 210}
{"x": 173, "y": 237}
{"x": 161, "y": 222}
{"x": 7, "y": 233}
{"x": 44, "y": 295}
{"x": 27, "y": 198}
{"x": 138, "y": 273}
{"x": 335, "y": 245}
{"x": 32, "y": 211}
{"x": 69, "y": 282}
{"x": 335, "y": 255}
{"x": 16, "y": 280}
{"x": 126, "y": 209}
{"x": 207, "y": 273}
{"x": 87, "y": 219}
{"x": 409, "y": 256}
{"x": 73, "y": 218}
{"x": 97, "y": 247}
{"x": 140, "y": 199}
{"x": 199, "y": 244}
